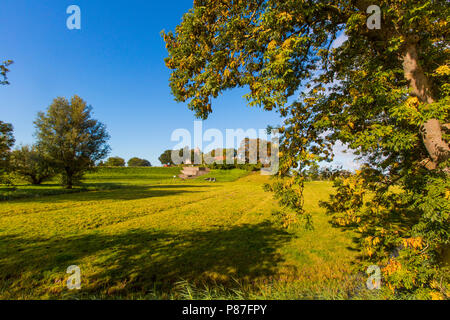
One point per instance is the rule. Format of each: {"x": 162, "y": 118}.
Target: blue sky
{"x": 115, "y": 63}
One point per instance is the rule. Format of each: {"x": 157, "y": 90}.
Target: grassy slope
{"x": 109, "y": 178}
{"x": 157, "y": 237}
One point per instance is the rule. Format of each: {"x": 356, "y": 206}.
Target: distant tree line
{"x": 316, "y": 173}
{"x": 246, "y": 157}
{"x": 120, "y": 162}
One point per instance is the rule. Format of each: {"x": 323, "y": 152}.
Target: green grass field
{"x": 141, "y": 234}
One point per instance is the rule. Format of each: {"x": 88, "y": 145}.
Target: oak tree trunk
{"x": 438, "y": 149}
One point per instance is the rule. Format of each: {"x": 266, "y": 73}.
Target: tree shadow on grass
{"x": 116, "y": 191}
{"x": 142, "y": 261}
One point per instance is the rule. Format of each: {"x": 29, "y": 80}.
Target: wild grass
{"x": 156, "y": 237}
{"x": 224, "y": 175}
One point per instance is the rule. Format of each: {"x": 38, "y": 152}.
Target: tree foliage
{"x": 31, "y": 165}
{"x": 166, "y": 157}
{"x": 115, "y": 162}
{"x": 382, "y": 92}
{"x": 6, "y": 143}
{"x": 4, "y": 70}
{"x": 137, "y": 162}
{"x": 6, "y": 129}
{"x": 69, "y": 137}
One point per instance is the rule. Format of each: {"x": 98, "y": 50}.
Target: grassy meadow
{"x": 140, "y": 233}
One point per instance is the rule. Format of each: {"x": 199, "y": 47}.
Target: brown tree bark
{"x": 437, "y": 148}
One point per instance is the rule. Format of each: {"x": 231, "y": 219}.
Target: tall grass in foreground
{"x": 184, "y": 290}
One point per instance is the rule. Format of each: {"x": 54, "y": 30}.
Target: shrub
{"x": 115, "y": 162}
{"x": 137, "y": 162}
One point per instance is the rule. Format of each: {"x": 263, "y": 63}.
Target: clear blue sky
{"x": 115, "y": 63}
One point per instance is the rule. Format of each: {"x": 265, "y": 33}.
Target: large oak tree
{"x": 383, "y": 92}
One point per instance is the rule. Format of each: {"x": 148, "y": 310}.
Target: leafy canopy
{"x": 166, "y": 157}
{"x": 6, "y": 143}
{"x": 137, "y": 162}
{"x": 115, "y": 162}
{"x": 4, "y": 70}
{"x": 70, "y": 138}
{"x": 382, "y": 92}
{"x": 29, "y": 163}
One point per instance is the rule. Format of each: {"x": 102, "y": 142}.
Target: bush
{"x": 250, "y": 167}
{"x": 136, "y": 162}
{"x": 115, "y": 162}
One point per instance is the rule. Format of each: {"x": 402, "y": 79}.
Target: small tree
{"x": 115, "y": 162}
{"x": 31, "y": 165}
{"x": 69, "y": 137}
{"x": 136, "y": 162}
{"x": 166, "y": 157}
{"x": 313, "y": 172}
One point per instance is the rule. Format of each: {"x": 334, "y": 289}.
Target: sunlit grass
{"x": 162, "y": 238}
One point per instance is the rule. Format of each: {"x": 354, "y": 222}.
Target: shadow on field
{"x": 116, "y": 191}
{"x": 140, "y": 261}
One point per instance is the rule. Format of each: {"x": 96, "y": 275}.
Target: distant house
{"x": 193, "y": 172}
